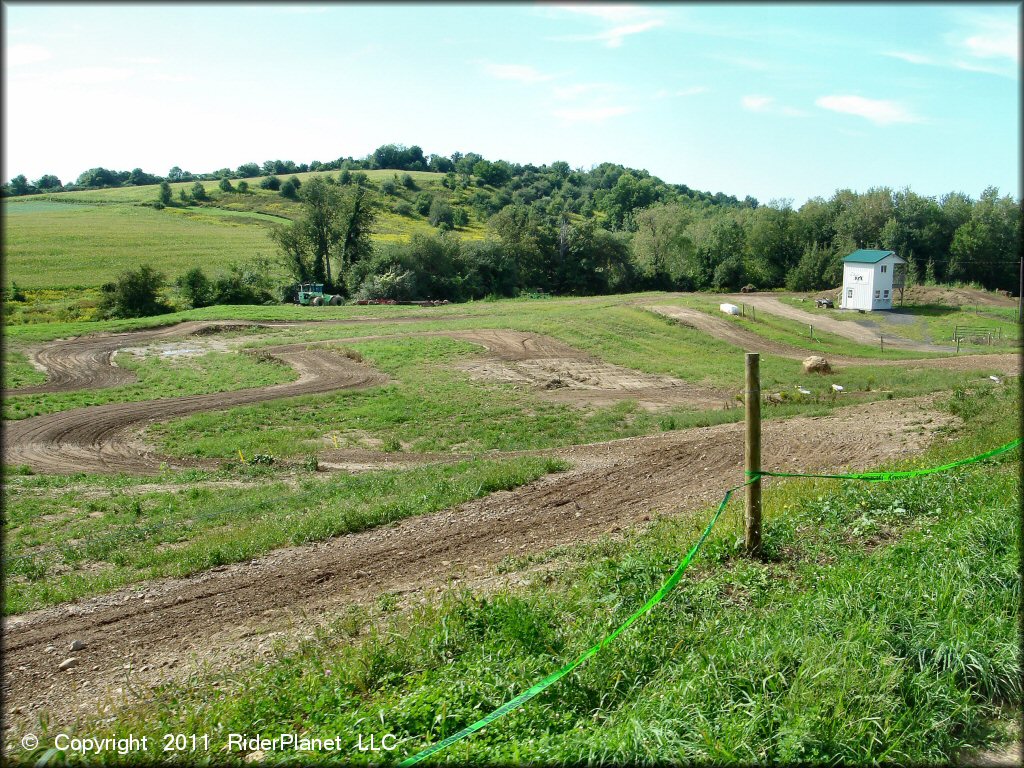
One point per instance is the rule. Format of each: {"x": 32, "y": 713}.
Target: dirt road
{"x": 849, "y": 329}
{"x": 720, "y": 328}
{"x": 159, "y": 631}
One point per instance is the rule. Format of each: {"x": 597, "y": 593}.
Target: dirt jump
{"x": 166, "y": 630}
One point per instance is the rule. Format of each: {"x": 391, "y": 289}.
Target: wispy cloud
{"x": 692, "y": 91}
{"x": 521, "y": 73}
{"x": 756, "y": 103}
{"x": 767, "y": 104}
{"x": 575, "y": 90}
{"x": 878, "y": 111}
{"x": 22, "y": 54}
{"x": 624, "y": 21}
{"x": 912, "y": 58}
{"x": 590, "y": 114}
{"x": 991, "y": 37}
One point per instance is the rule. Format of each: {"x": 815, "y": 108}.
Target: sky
{"x": 781, "y": 102}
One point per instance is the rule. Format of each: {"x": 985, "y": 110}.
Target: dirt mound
{"x": 956, "y": 297}
{"x": 139, "y": 636}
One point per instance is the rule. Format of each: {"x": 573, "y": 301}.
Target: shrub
{"x": 225, "y": 185}
{"x": 243, "y": 187}
{"x": 345, "y": 177}
{"x": 195, "y": 288}
{"x": 270, "y": 182}
{"x": 423, "y": 202}
{"x": 295, "y": 180}
{"x": 389, "y": 187}
{"x": 199, "y": 191}
{"x": 289, "y": 190}
{"x": 407, "y": 181}
{"x": 164, "y": 196}
{"x": 460, "y": 217}
{"x": 441, "y": 213}
{"x": 403, "y": 208}
{"x": 134, "y": 294}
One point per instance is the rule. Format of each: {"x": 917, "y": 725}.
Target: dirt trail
{"x": 103, "y": 438}
{"x": 720, "y": 328}
{"x": 849, "y": 329}
{"x": 97, "y": 438}
{"x": 159, "y": 631}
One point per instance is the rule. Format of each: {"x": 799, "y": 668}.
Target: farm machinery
{"x": 312, "y": 294}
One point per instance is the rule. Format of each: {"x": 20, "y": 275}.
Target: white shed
{"x": 870, "y": 278}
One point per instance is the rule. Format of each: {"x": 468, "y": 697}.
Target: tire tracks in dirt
{"x": 165, "y": 630}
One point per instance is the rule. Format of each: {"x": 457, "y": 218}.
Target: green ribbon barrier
{"x": 667, "y": 587}
{"x": 884, "y": 476}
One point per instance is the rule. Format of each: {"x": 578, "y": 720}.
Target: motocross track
{"x": 103, "y": 438}
{"x": 165, "y": 630}
{"x": 720, "y": 328}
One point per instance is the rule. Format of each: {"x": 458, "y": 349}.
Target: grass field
{"x": 881, "y": 627}
{"x": 73, "y": 240}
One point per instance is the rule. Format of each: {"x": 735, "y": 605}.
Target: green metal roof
{"x": 864, "y": 256}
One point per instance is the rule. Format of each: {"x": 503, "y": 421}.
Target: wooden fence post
{"x": 752, "y": 455}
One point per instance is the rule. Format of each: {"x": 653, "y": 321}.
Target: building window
{"x": 849, "y": 293}
{"x": 885, "y": 295}
{"x": 876, "y": 294}
{"x": 884, "y": 268}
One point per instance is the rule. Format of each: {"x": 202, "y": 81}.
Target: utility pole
{"x": 752, "y": 455}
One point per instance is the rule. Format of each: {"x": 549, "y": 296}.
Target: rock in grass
{"x": 77, "y": 645}
{"x": 68, "y": 663}
{"x": 816, "y": 364}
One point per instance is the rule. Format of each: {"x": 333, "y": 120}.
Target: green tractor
{"x": 312, "y": 294}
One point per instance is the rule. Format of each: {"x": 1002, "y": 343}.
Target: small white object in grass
{"x": 802, "y": 391}
{"x": 995, "y": 379}
{"x": 837, "y": 387}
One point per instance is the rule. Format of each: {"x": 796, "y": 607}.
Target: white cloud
{"x": 580, "y": 89}
{"x": 692, "y": 91}
{"x": 626, "y": 20}
{"x": 912, "y": 58}
{"x": 878, "y": 111}
{"x": 590, "y": 114}
{"x": 994, "y": 38}
{"x": 522, "y": 73}
{"x": 22, "y": 54}
{"x": 756, "y": 103}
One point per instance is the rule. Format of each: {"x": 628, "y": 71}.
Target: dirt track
{"x": 103, "y": 438}
{"x": 720, "y": 328}
{"x": 162, "y": 630}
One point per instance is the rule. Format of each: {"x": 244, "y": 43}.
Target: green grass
{"x": 934, "y": 323}
{"x": 18, "y": 371}
{"x": 74, "y": 240}
{"x": 63, "y": 543}
{"x": 159, "y": 377}
{"x": 72, "y": 246}
{"x": 881, "y": 627}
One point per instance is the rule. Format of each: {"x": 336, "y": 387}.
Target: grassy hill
{"x": 82, "y": 239}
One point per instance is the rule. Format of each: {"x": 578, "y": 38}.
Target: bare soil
{"x": 165, "y": 630}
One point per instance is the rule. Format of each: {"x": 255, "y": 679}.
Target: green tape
{"x": 885, "y": 476}
{"x": 667, "y": 587}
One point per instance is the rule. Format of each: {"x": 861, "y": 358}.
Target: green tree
{"x": 243, "y": 187}
{"x": 164, "y": 194}
{"x": 199, "y": 191}
{"x": 19, "y": 186}
{"x": 196, "y": 288}
{"x": 134, "y": 294}
{"x": 661, "y": 247}
{"x": 356, "y": 225}
{"x": 225, "y": 185}
{"x": 270, "y": 182}
{"x": 48, "y": 182}
{"x": 288, "y": 190}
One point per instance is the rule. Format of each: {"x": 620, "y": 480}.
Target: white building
{"x": 870, "y": 278}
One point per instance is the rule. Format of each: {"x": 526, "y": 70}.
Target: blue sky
{"x": 774, "y": 101}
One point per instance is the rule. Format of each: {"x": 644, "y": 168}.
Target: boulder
{"x": 816, "y": 364}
